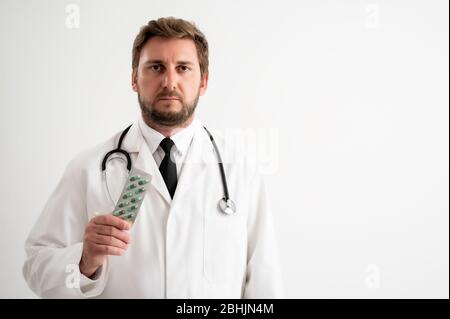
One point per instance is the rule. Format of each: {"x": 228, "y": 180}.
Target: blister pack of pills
{"x": 132, "y": 196}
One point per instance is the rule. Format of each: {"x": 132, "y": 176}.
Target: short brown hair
{"x": 171, "y": 27}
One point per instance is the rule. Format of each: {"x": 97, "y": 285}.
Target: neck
{"x": 167, "y": 131}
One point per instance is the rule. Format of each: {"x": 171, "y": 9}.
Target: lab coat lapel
{"x": 145, "y": 160}
{"x": 195, "y": 165}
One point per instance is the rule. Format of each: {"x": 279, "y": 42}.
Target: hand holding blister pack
{"x": 132, "y": 196}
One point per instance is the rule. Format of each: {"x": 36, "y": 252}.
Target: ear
{"x": 134, "y": 80}
{"x": 204, "y": 84}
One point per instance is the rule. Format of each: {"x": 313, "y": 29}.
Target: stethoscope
{"x": 226, "y": 205}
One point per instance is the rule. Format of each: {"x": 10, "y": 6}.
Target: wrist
{"x": 88, "y": 271}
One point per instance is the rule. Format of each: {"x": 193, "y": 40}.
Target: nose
{"x": 170, "y": 80}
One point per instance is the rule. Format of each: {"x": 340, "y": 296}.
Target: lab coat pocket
{"x": 225, "y": 247}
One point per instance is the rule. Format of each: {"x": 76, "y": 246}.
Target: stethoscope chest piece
{"x": 227, "y": 207}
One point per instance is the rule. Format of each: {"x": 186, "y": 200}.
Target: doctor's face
{"x": 168, "y": 80}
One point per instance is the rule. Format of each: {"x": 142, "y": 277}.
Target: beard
{"x": 167, "y": 118}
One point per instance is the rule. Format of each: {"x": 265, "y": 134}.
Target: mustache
{"x": 168, "y": 94}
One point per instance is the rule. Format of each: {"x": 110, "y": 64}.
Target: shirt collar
{"x": 181, "y": 139}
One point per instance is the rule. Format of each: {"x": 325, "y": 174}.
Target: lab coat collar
{"x": 133, "y": 140}
{"x": 199, "y": 153}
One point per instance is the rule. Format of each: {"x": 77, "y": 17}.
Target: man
{"x": 181, "y": 245}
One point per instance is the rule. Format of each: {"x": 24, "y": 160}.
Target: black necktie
{"x": 168, "y": 168}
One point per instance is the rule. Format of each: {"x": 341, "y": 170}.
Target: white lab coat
{"x": 180, "y": 248}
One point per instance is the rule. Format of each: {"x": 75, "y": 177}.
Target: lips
{"x": 169, "y": 98}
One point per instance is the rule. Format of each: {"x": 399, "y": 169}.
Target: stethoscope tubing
{"x": 226, "y": 198}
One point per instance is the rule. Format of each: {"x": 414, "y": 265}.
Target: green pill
{"x": 131, "y": 186}
{"x": 127, "y": 195}
{"x": 131, "y": 208}
{"x": 136, "y": 199}
{"x": 134, "y": 178}
{"x": 140, "y": 190}
{"x": 123, "y": 204}
{"x": 119, "y": 212}
{"x": 143, "y": 182}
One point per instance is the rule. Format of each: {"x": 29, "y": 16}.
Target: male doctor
{"x": 181, "y": 244}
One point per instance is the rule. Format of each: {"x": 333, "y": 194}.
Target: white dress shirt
{"x": 182, "y": 140}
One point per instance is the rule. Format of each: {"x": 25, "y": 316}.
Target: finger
{"x": 112, "y": 231}
{"x": 108, "y": 250}
{"x": 111, "y": 220}
{"x": 109, "y": 240}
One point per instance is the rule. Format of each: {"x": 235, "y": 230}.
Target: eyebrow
{"x": 162, "y": 62}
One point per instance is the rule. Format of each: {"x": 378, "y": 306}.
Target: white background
{"x": 357, "y": 92}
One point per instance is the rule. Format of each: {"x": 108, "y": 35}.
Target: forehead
{"x": 169, "y": 50}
